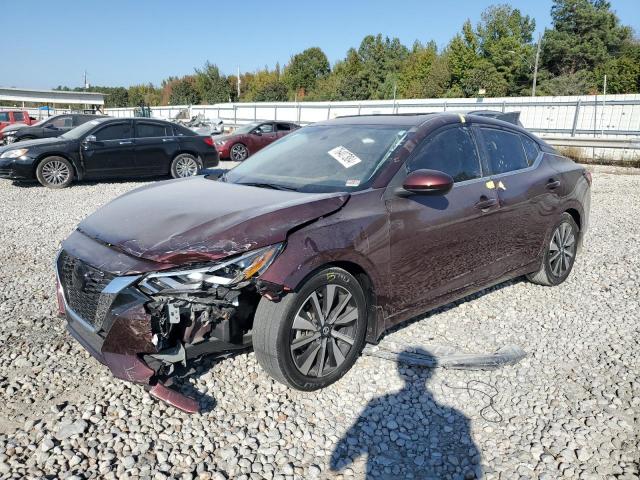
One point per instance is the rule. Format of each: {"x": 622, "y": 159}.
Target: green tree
{"x": 184, "y": 92}
{"x": 275, "y": 91}
{"x": 424, "y": 74}
{"x": 144, "y": 93}
{"x": 211, "y": 86}
{"x": 305, "y": 69}
{"x": 623, "y": 72}
{"x": 484, "y": 76}
{"x": 505, "y": 35}
{"x": 381, "y": 60}
{"x": 462, "y": 56}
{"x": 585, "y": 34}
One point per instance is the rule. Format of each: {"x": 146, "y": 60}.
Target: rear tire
{"x": 312, "y": 337}
{"x": 55, "y": 172}
{"x": 559, "y": 255}
{"x": 238, "y": 152}
{"x": 185, "y": 165}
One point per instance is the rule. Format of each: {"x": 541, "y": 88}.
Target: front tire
{"x": 55, "y": 172}
{"x": 184, "y": 165}
{"x": 559, "y": 255}
{"x": 312, "y": 337}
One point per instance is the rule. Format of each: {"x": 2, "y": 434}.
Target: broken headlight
{"x": 227, "y": 273}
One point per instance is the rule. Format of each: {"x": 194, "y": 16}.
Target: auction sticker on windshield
{"x": 346, "y": 158}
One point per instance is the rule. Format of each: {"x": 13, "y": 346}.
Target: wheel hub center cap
{"x": 325, "y": 330}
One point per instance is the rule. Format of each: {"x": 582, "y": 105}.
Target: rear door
{"x": 112, "y": 154}
{"x": 282, "y": 129}
{"x": 442, "y": 245}
{"x": 156, "y": 146}
{"x": 527, "y": 192}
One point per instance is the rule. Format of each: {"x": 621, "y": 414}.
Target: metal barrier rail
{"x": 593, "y": 142}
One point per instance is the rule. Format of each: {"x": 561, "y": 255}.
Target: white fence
{"x": 599, "y": 116}
{"x": 595, "y": 115}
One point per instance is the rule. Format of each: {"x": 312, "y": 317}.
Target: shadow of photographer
{"x": 408, "y": 434}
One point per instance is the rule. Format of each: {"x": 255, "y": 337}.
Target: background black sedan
{"x": 49, "y": 127}
{"x": 107, "y": 148}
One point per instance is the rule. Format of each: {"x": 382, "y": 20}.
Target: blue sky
{"x": 123, "y": 42}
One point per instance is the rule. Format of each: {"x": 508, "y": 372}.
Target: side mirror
{"x": 428, "y": 182}
{"x": 257, "y": 132}
{"x": 90, "y": 139}
{"x": 50, "y": 126}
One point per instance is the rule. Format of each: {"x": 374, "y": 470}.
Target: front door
{"x": 266, "y": 134}
{"x": 112, "y": 154}
{"x": 442, "y": 245}
{"x": 155, "y": 147}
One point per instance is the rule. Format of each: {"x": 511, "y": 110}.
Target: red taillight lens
{"x": 208, "y": 141}
{"x": 587, "y": 175}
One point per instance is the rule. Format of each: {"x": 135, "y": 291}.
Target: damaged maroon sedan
{"x": 318, "y": 244}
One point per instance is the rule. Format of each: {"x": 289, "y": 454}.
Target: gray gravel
{"x": 570, "y": 409}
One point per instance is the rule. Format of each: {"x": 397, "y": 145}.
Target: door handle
{"x": 552, "y": 184}
{"x": 167, "y": 139}
{"x": 125, "y": 142}
{"x": 485, "y": 203}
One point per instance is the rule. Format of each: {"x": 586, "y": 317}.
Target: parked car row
{"x": 105, "y": 147}
{"x": 53, "y": 126}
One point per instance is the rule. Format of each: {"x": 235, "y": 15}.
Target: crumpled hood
{"x": 198, "y": 219}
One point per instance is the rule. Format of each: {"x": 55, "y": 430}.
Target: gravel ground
{"x": 570, "y": 409}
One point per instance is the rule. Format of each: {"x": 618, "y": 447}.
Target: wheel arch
{"x": 39, "y": 160}
{"x": 375, "y": 317}
{"x": 576, "y": 217}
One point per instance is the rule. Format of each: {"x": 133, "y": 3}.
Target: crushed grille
{"x": 82, "y": 285}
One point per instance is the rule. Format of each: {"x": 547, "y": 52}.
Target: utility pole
{"x": 535, "y": 68}
{"x": 238, "y": 82}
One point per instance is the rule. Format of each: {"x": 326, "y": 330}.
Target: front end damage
{"x": 147, "y": 327}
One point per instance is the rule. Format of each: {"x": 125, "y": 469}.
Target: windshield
{"x": 245, "y": 128}
{"x": 323, "y": 158}
{"x": 81, "y": 130}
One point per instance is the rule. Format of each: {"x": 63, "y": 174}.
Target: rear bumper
{"x": 210, "y": 160}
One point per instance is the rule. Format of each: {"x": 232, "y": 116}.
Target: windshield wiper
{"x": 272, "y": 186}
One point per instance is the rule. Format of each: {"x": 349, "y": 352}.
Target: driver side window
{"x": 265, "y": 128}
{"x": 451, "y": 151}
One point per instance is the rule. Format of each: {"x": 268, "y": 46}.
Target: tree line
{"x": 495, "y": 58}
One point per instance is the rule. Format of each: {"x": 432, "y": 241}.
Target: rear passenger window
{"x": 183, "y": 131}
{"x": 114, "y": 132}
{"x": 452, "y": 151}
{"x": 145, "y": 130}
{"x": 531, "y": 149}
{"x": 18, "y": 116}
{"x": 505, "y": 151}
{"x": 283, "y": 127}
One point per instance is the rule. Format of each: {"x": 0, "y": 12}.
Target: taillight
{"x": 208, "y": 141}
{"x": 587, "y": 175}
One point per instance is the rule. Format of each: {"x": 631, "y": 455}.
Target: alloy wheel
{"x": 55, "y": 172}
{"x": 324, "y": 330}
{"x": 562, "y": 249}
{"x": 186, "y": 167}
{"x": 239, "y": 152}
